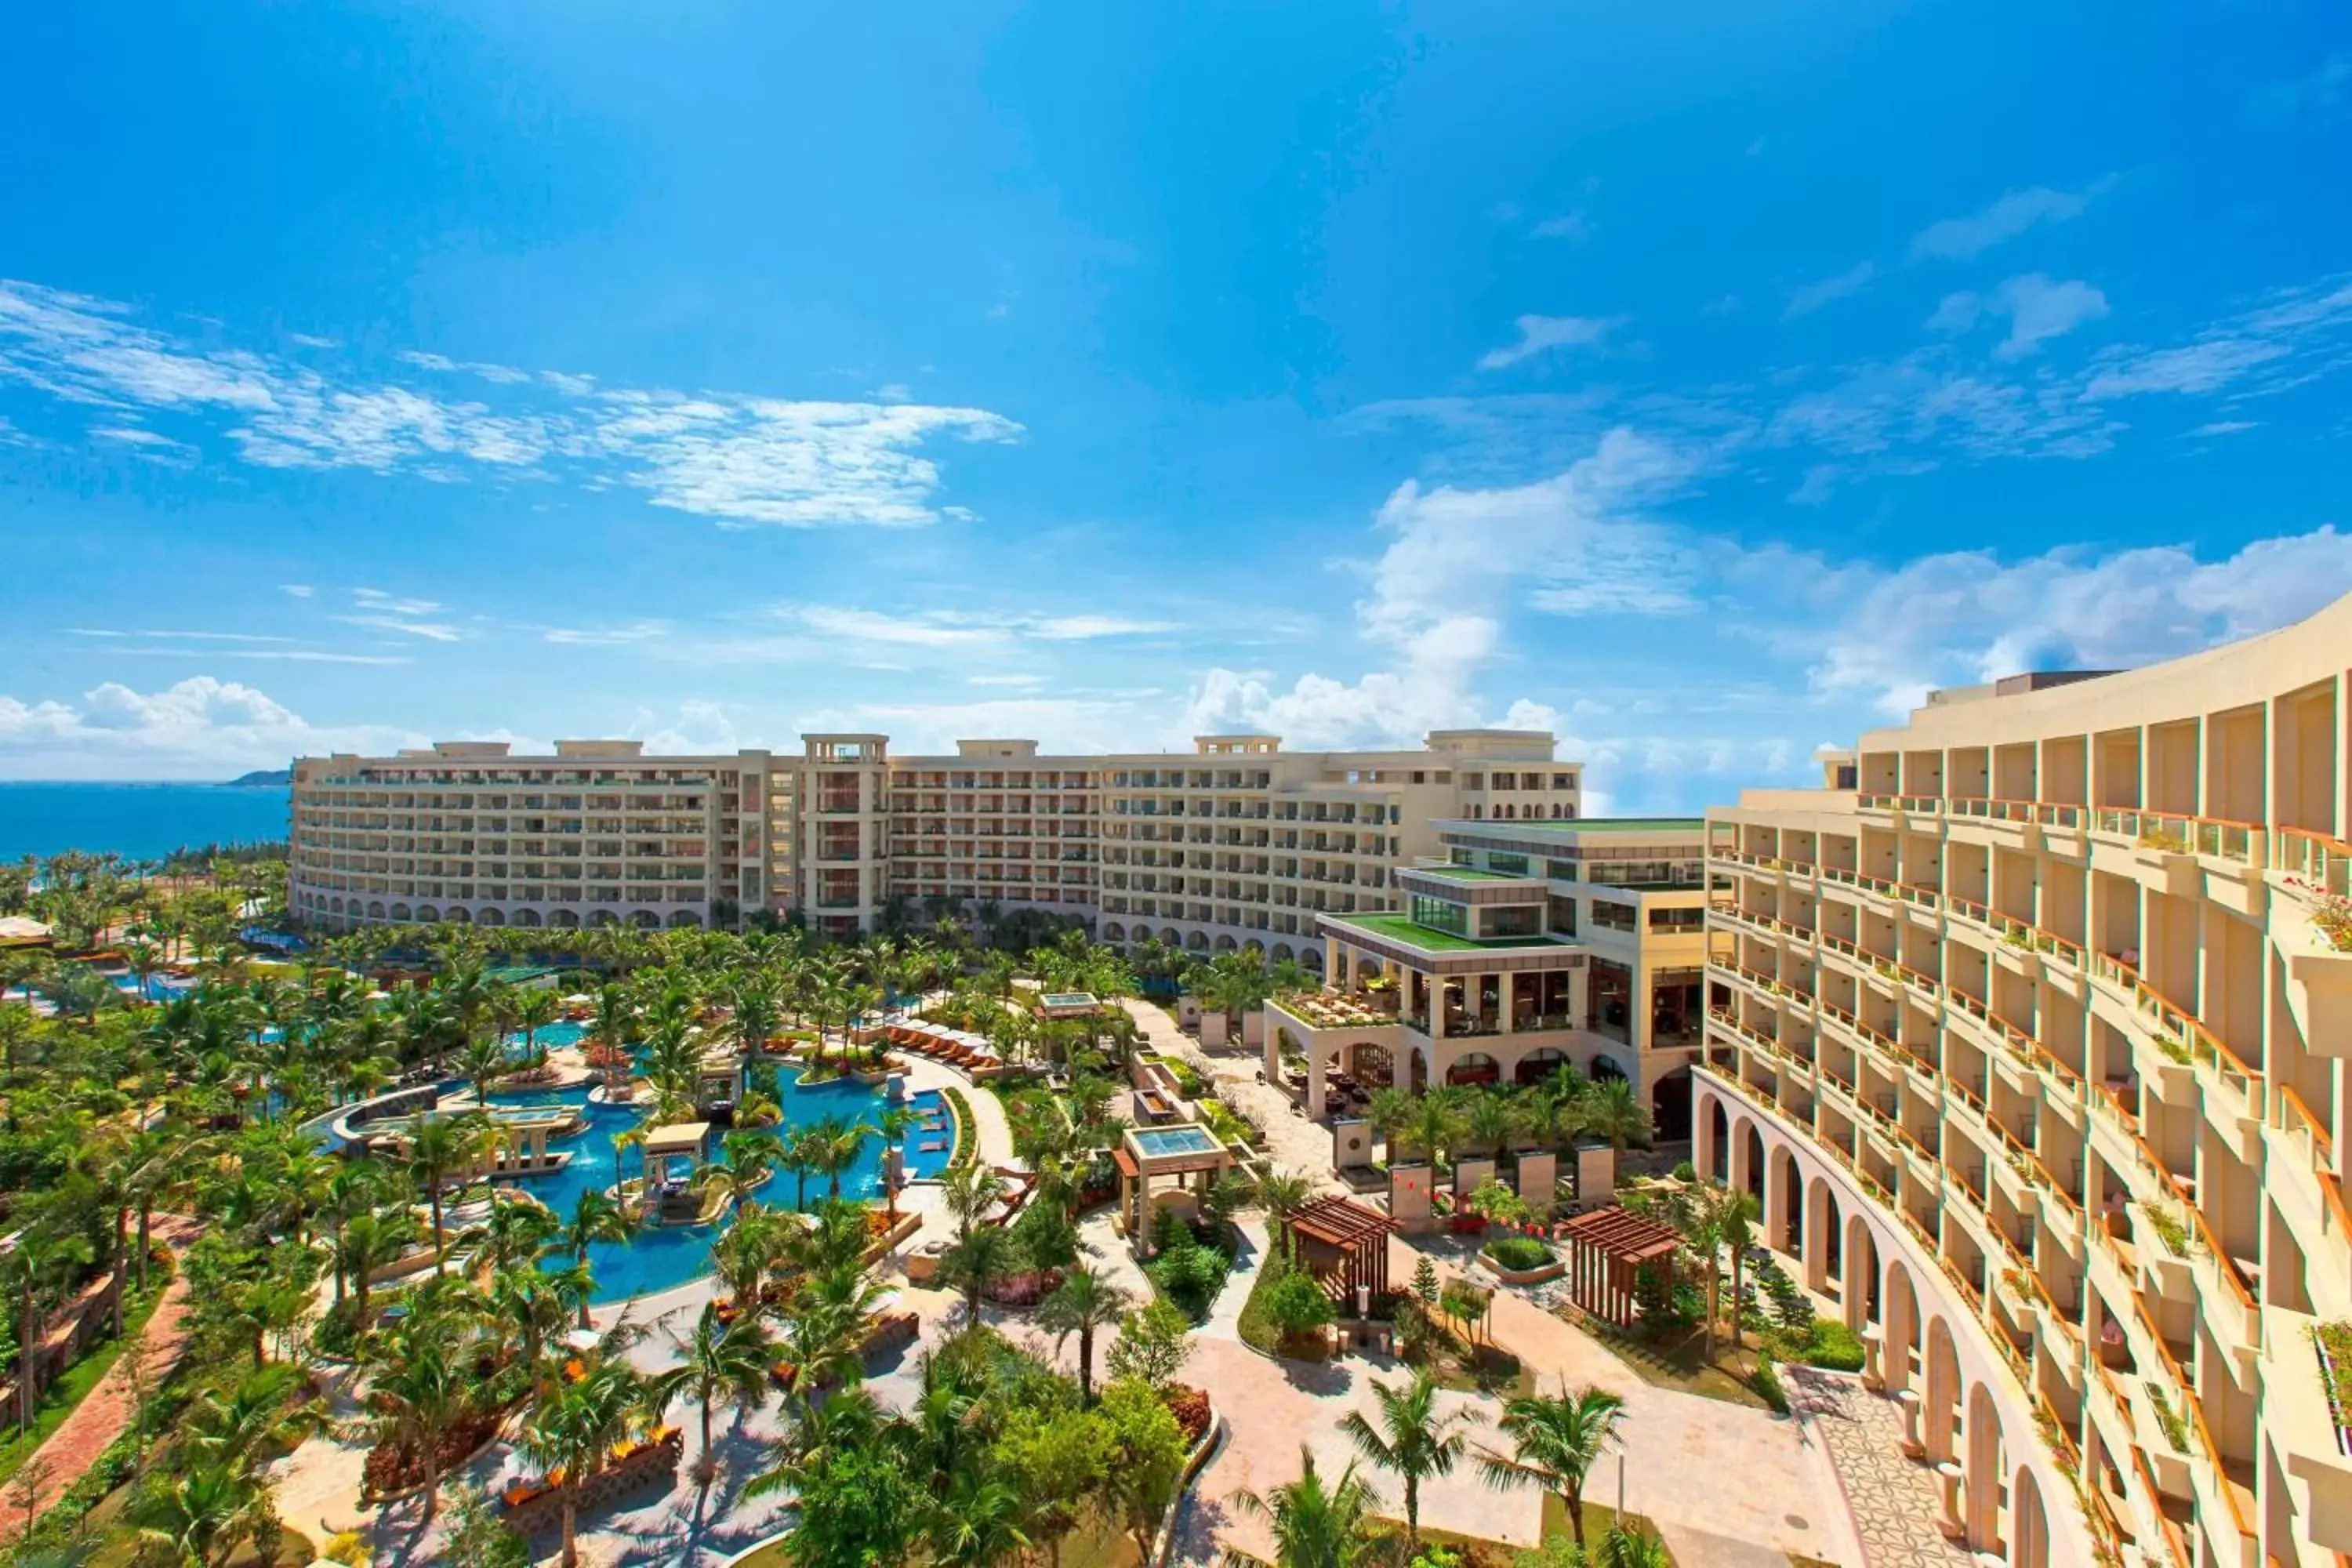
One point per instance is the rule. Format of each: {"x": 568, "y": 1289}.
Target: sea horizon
{"x": 140, "y": 819}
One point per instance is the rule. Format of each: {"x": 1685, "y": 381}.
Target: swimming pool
{"x": 660, "y": 1256}
{"x": 550, "y": 1036}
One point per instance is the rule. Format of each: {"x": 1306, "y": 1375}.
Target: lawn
{"x": 1480, "y": 1552}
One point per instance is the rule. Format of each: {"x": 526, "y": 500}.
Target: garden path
{"x": 91, "y": 1427}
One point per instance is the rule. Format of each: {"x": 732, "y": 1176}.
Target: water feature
{"x": 661, "y": 1257}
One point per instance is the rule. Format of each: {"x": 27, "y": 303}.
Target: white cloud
{"x": 391, "y": 612}
{"x": 198, "y": 728}
{"x": 702, "y": 728}
{"x": 1460, "y": 562}
{"x": 607, "y": 637}
{"x": 2039, "y": 309}
{"x": 2192, "y": 369}
{"x": 1574, "y": 226}
{"x": 297, "y": 590}
{"x": 1804, "y": 301}
{"x": 962, "y": 628}
{"x": 1005, "y": 680}
{"x": 1962, "y": 239}
{"x": 1888, "y": 636}
{"x": 732, "y": 457}
{"x": 183, "y": 636}
{"x": 1546, "y": 334}
{"x": 1057, "y": 723}
{"x": 1820, "y": 483}
{"x": 2227, "y": 427}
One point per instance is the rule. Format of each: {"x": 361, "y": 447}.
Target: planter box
{"x": 1537, "y": 1276}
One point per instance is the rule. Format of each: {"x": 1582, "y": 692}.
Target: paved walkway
{"x": 1296, "y": 1143}
{"x": 105, "y": 1411}
{"x": 1895, "y": 1500}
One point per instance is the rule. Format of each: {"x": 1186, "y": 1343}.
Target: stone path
{"x": 105, "y": 1411}
{"x": 1894, "y": 1500}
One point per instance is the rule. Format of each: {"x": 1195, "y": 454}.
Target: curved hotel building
{"x": 2028, "y": 1031}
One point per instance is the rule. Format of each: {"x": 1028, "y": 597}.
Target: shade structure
{"x": 1345, "y": 1245}
{"x": 1608, "y": 1249}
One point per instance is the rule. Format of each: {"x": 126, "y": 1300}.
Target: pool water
{"x": 1160, "y": 1140}
{"x": 550, "y": 1036}
{"x": 660, "y": 1256}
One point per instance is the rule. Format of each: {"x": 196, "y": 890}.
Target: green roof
{"x": 1399, "y": 928}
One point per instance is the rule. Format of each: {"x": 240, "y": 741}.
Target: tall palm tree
{"x": 838, "y": 1142}
{"x": 574, "y": 1424}
{"x": 1411, "y": 1440}
{"x": 365, "y": 1244}
{"x": 717, "y": 1361}
{"x": 536, "y": 1009}
{"x": 753, "y": 1154}
{"x": 483, "y": 1061}
{"x": 596, "y": 1216}
{"x": 41, "y": 1259}
{"x": 1556, "y": 1442}
{"x": 1314, "y": 1525}
{"x": 440, "y": 1147}
{"x": 971, "y": 1193}
{"x": 978, "y": 1259}
{"x": 423, "y": 1383}
{"x": 1085, "y": 1304}
{"x": 1709, "y": 1217}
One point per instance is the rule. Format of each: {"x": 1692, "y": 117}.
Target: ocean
{"x": 140, "y": 821}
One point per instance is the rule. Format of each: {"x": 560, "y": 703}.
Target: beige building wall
{"x": 2032, "y": 1050}
{"x": 1237, "y": 843}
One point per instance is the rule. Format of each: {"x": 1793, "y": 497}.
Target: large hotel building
{"x": 2028, "y": 1031}
{"x": 1238, "y": 842}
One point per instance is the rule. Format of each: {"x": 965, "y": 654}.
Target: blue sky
{"x": 1705, "y": 381}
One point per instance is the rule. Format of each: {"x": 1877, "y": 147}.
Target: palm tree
{"x": 752, "y": 1153}
{"x": 40, "y": 1258}
{"x": 1556, "y": 1443}
{"x": 803, "y": 1157}
{"x": 574, "y": 1425}
{"x": 366, "y": 1244}
{"x": 483, "y": 1061}
{"x": 438, "y": 1148}
{"x": 1428, "y": 1122}
{"x": 1612, "y": 1110}
{"x": 1708, "y": 1216}
{"x": 199, "y": 1517}
{"x": 535, "y": 1011}
{"x": 535, "y": 1303}
{"x": 1491, "y": 1118}
{"x": 978, "y": 1259}
{"x": 971, "y": 1192}
{"x": 1282, "y": 1194}
{"x": 836, "y": 1141}
{"x": 516, "y": 1231}
{"x": 718, "y": 1360}
{"x": 1315, "y": 1526}
{"x": 1412, "y": 1440}
{"x": 423, "y": 1385}
{"x": 747, "y": 1250}
{"x": 1085, "y": 1304}
{"x": 597, "y": 1216}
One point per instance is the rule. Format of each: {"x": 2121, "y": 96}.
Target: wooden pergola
{"x": 1345, "y": 1245}
{"x": 1606, "y": 1249}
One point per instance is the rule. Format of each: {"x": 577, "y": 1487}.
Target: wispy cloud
{"x": 1811, "y": 297}
{"x": 2010, "y": 215}
{"x": 937, "y": 629}
{"x": 607, "y": 637}
{"x": 390, "y": 612}
{"x": 1548, "y": 334}
{"x": 2035, "y": 308}
{"x": 1574, "y": 227}
{"x": 739, "y": 458}
{"x": 182, "y": 637}
{"x": 297, "y": 590}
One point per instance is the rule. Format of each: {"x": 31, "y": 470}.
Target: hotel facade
{"x": 1236, "y": 843}
{"x": 1523, "y": 947}
{"x": 2028, "y": 1033}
